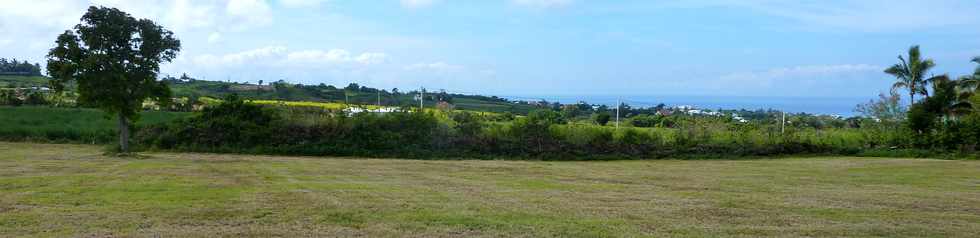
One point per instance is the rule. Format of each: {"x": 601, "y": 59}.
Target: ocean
{"x": 843, "y": 106}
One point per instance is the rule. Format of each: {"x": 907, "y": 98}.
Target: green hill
{"x": 352, "y": 94}
{"x": 14, "y": 81}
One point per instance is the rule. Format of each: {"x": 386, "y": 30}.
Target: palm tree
{"x": 910, "y": 73}
{"x": 970, "y": 82}
{"x": 948, "y": 97}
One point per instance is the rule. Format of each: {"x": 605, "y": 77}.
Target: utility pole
{"x": 618, "y": 103}
{"x": 379, "y": 99}
{"x": 421, "y": 99}
{"x": 782, "y": 128}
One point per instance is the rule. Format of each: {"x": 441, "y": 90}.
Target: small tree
{"x": 887, "y": 108}
{"x": 115, "y": 59}
{"x": 601, "y": 118}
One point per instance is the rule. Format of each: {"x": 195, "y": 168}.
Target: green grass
{"x": 72, "y": 190}
{"x": 67, "y": 124}
{"x": 7, "y": 81}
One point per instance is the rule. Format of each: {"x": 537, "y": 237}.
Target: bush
{"x": 240, "y": 127}
{"x": 601, "y": 118}
{"x": 644, "y": 120}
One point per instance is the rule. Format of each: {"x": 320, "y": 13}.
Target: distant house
{"x": 355, "y": 110}
{"x": 251, "y": 87}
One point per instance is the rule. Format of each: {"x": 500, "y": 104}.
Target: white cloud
{"x": 189, "y": 15}
{"x": 372, "y": 58}
{"x": 214, "y": 37}
{"x": 336, "y": 56}
{"x": 281, "y": 56}
{"x": 543, "y": 3}
{"x": 240, "y": 58}
{"x": 436, "y": 66}
{"x": 417, "y": 3}
{"x": 34, "y": 24}
{"x": 864, "y": 15}
{"x": 796, "y": 75}
{"x": 301, "y": 3}
{"x": 249, "y": 13}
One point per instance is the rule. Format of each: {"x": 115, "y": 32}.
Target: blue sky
{"x": 541, "y": 47}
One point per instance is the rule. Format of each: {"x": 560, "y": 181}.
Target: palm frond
{"x": 942, "y": 78}
{"x": 914, "y": 54}
{"x": 969, "y": 83}
{"x": 961, "y": 108}
{"x": 925, "y": 66}
{"x": 895, "y": 70}
{"x": 899, "y": 85}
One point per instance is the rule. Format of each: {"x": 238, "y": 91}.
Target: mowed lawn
{"x": 72, "y": 190}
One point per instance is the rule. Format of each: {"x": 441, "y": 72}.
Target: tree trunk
{"x": 123, "y": 134}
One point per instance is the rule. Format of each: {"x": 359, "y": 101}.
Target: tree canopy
{"x": 910, "y": 73}
{"x": 115, "y": 59}
{"x": 15, "y": 67}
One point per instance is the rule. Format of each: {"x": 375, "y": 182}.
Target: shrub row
{"x": 239, "y": 127}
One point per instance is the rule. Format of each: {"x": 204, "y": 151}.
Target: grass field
{"x": 8, "y": 81}
{"x": 72, "y": 190}
{"x": 67, "y": 124}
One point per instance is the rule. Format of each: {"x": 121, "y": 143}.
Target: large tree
{"x": 910, "y": 73}
{"x": 114, "y": 59}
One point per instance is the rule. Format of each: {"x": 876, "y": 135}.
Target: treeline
{"x": 239, "y": 127}
{"x": 15, "y": 67}
{"x": 947, "y": 114}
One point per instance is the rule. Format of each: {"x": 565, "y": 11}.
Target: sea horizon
{"x": 842, "y": 106}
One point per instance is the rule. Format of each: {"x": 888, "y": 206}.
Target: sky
{"x": 761, "y": 48}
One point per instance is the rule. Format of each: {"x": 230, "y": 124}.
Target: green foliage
{"x": 601, "y": 118}
{"x": 644, "y": 120}
{"x": 22, "y": 68}
{"x": 115, "y": 59}
{"x": 361, "y": 95}
{"x": 35, "y": 98}
{"x": 75, "y": 125}
{"x": 244, "y": 128}
{"x": 910, "y": 73}
{"x": 887, "y": 109}
{"x": 10, "y": 98}
{"x": 467, "y": 123}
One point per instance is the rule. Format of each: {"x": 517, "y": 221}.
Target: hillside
{"x": 14, "y": 81}
{"x": 352, "y": 94}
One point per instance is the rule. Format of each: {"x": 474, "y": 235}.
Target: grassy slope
{"x": 219, "y": 89}
{"x": 71, "y": 190}
{"x": 68, "y": 124}
{"x": 22, "y": 81}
